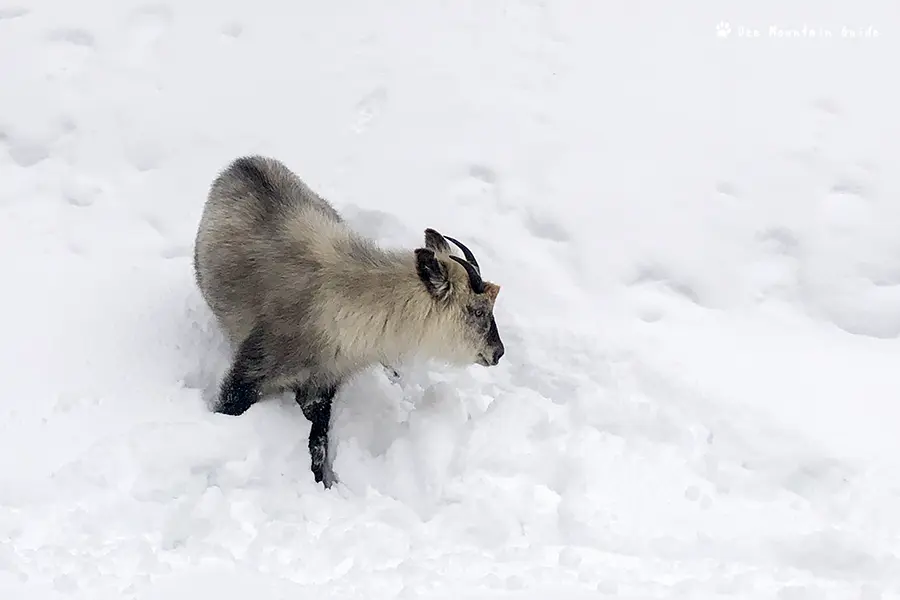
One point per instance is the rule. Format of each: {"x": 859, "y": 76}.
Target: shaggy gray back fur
{"x": 294, "y": 286}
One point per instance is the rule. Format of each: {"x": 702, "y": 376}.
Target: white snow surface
{"x": 697, "y": 237}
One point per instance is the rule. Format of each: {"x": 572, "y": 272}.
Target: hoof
{"x": 327, "y": 477}
{"x": 392, "y": 374}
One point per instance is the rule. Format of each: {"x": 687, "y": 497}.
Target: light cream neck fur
{"x": 382, "y": 311}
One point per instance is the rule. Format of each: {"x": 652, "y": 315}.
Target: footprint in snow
{"x": 476, "y": 184}
{"x": 73, "y": 36}
{"x": 233, "y": 30}
{"x": 82, "y": 192}
{"x": 484, "y": 174}
{"x": 726, "y": 189}
{"x": 369, "y": 108}
{"x": 27, "y": 153}
{"x": 67, "y": 51}
{"x": 546, "y": 227}
{"x": 779, "y": 240}
{"x": 24, "y": 150}
{"x": 657, "y": 276}
{"x": 12, "y": 12}
{"x": 850, "y": 186}
{"x": 826, "y": 106}
{"x": 376, "y": 224}
{"x": 847, "y": 206}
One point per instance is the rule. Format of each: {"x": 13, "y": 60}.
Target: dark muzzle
{"x": 495, "y": 343}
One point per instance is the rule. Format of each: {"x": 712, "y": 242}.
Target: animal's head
{"x": 464, "y": 300}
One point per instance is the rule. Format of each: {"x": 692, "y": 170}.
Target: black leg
{"x": 240, "y": 389}
{"x": 316, "y": 401}
{"x": 392, "y": 374}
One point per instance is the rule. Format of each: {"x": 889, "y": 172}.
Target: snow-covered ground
{"x": 693, "y": 209}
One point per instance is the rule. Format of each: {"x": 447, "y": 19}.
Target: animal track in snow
{"x": 850, "y": 186}
{"x": 23, "y": 151}
{"x": 81, "y": 192}
{"x": 156, "y": 224}
{"x": 546, "y": 228}
{"x": 76, "y": 37}
{"x": 650, "y": 314}
{"x": 779, "y": 240}
{"x": 658, "y": 276}
{"x": 375, "y": 223}
{"x": 12, "y": 12}
{"x": 233, "y": 29}
{"x": 477, "y": 181}
{"x": 826, "y": 106}
{"x": 775, "y": 272}
{"x": 847, "y": 203}
{"x": 79, "y": 200}
{"x": 29, "y": 144}
{"x": 67, "y": 51}
{"x": 726, "y": 189}
{"x": 369, "y": 108}
{"x": 483, "y": 173}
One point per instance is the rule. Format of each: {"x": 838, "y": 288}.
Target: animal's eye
{"x": 479, "y": 313}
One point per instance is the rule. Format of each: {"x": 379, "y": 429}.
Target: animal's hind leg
{"x": 316, "y": 401}
{"x": 241, "y": 387}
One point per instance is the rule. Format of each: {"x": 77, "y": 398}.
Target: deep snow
{"x": 697, "y": 240}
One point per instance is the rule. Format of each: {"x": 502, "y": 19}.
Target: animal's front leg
{"x": 316, "y": 401}
{"x": 393, "y": 374}
{"x": 241, "y": 387}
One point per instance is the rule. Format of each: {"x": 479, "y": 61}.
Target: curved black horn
{"x": 474, "y": 277}
{"x": 468, "y": 253}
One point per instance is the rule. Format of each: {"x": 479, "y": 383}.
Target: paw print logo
{"x": 723, "y": 29}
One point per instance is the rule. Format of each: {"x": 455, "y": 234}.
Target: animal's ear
{"x": 491, "y": 290}
{"x": 433, "y": 273}
{"x": 435, "y": 241}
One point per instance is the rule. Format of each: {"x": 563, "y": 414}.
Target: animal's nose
{"x": 497, "y": 354}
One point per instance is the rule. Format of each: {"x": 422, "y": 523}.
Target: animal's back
{"x": 261, "y": 224}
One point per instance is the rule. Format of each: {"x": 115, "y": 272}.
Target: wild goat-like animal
{"x": 306, "y": 302}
